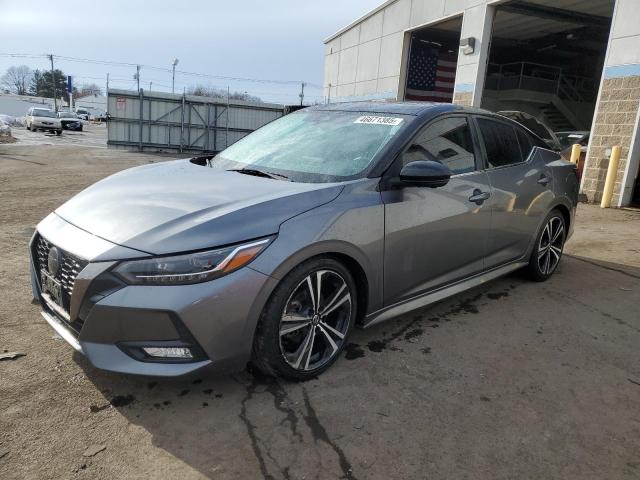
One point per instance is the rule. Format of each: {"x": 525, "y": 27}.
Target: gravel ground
{"x": 509, "y": 380}
{"x": 92, "y": 135}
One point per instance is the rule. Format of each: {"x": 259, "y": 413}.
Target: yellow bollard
{"x": 610, "y": 181}
{"x": 575, "y": 153}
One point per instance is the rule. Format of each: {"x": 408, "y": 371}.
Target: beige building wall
{"x": 364, "y": 61}
{"x": 616, "y": 117}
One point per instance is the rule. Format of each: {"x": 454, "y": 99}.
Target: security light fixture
{"x": 468, "y": 45}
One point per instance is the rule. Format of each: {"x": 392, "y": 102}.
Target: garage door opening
{"x": 431, "y": 62}
{"x": 546, "y": 59}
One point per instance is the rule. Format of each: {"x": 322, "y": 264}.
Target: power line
{"x": 23, "y": 55}
{"x": 161, "y": 69}
{"x": 156, "y": 82}
{"x": 126, "y": 83}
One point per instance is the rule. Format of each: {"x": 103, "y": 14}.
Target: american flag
{"x": 432, "y": 73}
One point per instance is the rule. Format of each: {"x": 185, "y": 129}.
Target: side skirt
{"x": 437, "y": 295}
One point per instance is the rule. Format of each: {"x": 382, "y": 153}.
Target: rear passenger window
{"x": 501, "y": 143}
{"x": 447, "y": 141}
{"x": 526, "y": 143}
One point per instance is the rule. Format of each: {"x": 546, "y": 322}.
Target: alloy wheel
{"x": 315, "y": 320}
{"x": 550, "y": 245}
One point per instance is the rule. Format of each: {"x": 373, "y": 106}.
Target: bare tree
{"x": 204, "y": 91}
{"x": 17, "y": 79}
{"x": 212, "y": 92}
{"x": 87, "y": 89}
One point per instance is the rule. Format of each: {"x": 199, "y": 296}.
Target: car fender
{"x": 558, "y": 201}
{"x": 352, "y": 226}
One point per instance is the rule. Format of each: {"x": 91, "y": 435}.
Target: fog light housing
{"x": 182, "y": 353}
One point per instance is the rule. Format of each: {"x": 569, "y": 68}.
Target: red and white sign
{"x": 121, "y": 103}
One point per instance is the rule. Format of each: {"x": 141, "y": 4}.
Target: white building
{"x": 575, "y": 64}
{"x": 95, "y": 103}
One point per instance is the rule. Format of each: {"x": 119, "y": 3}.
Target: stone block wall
{"x": 614, "y": 124}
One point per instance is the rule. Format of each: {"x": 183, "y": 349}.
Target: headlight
{"x": 191, "y": 268}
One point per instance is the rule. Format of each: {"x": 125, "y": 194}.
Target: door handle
{"x": 479, "y": 197}
{"x": 543, "y": 180}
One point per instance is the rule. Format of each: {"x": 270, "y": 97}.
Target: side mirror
{"x": 425, "y": 173}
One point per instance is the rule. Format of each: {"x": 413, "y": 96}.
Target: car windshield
{"x": 314, "y": 146}
{"x": 40, "y": 112}
{"x": 66, "y": 115}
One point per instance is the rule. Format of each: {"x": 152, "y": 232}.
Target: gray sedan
{"x": 273, "y": 250}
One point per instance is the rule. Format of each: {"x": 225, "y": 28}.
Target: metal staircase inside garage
{"x": 556, "y": 119}
{"x": 546, "y": 89}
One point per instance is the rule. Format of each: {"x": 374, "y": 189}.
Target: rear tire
{"x": 58, "y": 132}
{"x": 300, "y": 332}
{"x": 548, "y": 248}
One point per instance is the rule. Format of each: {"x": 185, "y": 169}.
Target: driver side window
{"x": 447, "y": 141}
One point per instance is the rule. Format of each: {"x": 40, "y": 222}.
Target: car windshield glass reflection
{"x": 43, "y": 113}
{"x": 317, "y": 146}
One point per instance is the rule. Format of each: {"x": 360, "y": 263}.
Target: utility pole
{"x": 173, "y": 77}
{"x": 329, "y": 94}
{"x": 138, "y": 76}
{"x": 226, "y": 136}
{"x": 53, "y": 79}
{"x": 150, "y": 84}
{"x": 302, "y": 94}
{"x": 106, "y": 93}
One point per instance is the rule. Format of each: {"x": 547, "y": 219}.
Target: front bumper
{"x": 72, "y": 125}
{"x": 46, "y": 126}
{"x": 108, "y": 322}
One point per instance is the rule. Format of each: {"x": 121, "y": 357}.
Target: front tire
{"x": 548, "y": 247}
{"x": 307, "y": 320}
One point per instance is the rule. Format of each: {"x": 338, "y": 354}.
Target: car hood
{"x": 180, "y": 206}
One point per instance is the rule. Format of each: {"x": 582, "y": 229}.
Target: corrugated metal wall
{"x": 166, "y": 122}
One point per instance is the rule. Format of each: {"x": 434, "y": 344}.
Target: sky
{"x": 275, "y": 40}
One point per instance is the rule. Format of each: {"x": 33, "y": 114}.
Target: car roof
{"x": 419, "y": 109}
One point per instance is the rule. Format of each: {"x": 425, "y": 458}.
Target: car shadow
{"x": 249, "y": 426}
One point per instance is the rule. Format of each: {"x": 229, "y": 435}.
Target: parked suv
{"x": 70, "y": 121}
{"x": 82, "y": 113}
{"x": 43, "y": 119}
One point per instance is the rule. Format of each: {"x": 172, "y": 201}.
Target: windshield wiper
{"x": 260, "y": 173}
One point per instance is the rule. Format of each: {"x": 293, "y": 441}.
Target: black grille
{"x": 70, "y": 267}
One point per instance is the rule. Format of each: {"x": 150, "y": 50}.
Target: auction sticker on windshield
{"x": 378, "y": 120}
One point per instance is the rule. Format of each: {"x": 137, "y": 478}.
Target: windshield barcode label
{"x": 378, "y": 120}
